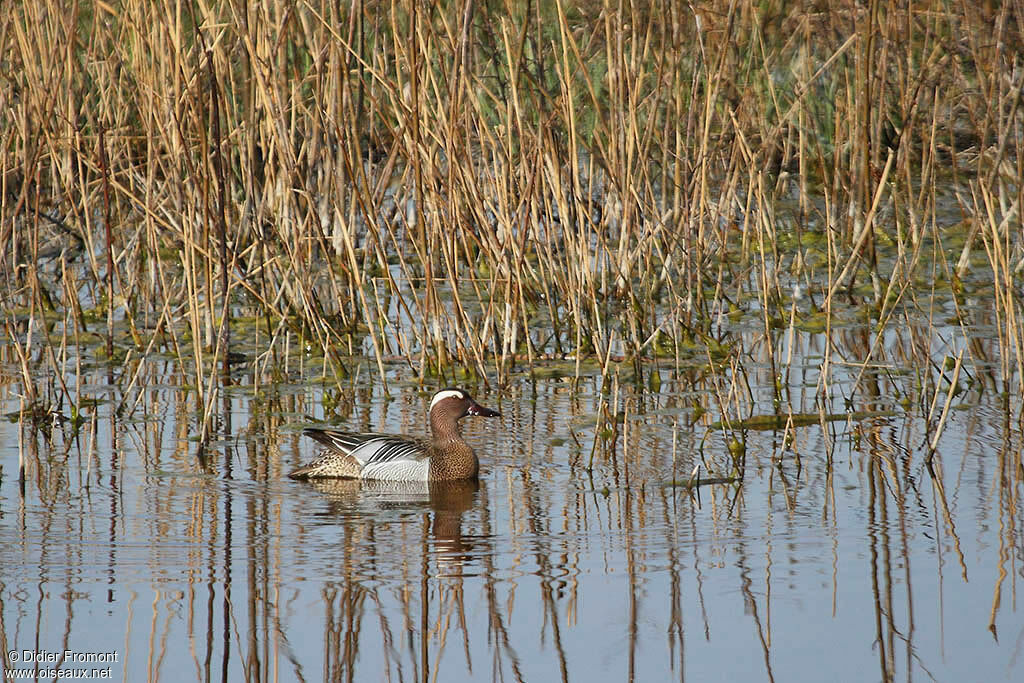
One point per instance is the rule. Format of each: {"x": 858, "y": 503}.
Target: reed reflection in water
{"x": 573, "y": 558}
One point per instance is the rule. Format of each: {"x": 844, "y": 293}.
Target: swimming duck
{"x": 443, "y": 457}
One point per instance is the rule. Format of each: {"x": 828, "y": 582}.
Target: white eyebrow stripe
{"x": 448, "y": 393}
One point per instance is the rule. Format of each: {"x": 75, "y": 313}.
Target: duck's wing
{"x": 370, "y": 448}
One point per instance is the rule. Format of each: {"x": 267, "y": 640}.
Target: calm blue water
{"x": 839, "y": 555}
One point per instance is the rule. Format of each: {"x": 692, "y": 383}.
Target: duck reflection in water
{"x": 447, "y": 501}
{"x": 400, "y": 544}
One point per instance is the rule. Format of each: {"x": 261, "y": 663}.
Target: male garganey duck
{"x": 443, "y": 457}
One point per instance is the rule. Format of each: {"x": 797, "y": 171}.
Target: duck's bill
{"x": 478, "y": 410}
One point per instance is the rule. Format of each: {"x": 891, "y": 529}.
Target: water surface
{"x": 575, "y": 557}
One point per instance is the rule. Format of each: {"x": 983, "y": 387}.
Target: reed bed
{"x": 475, "y": 189}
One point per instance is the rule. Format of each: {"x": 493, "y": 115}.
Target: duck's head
{"x": 454, "y": 404}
